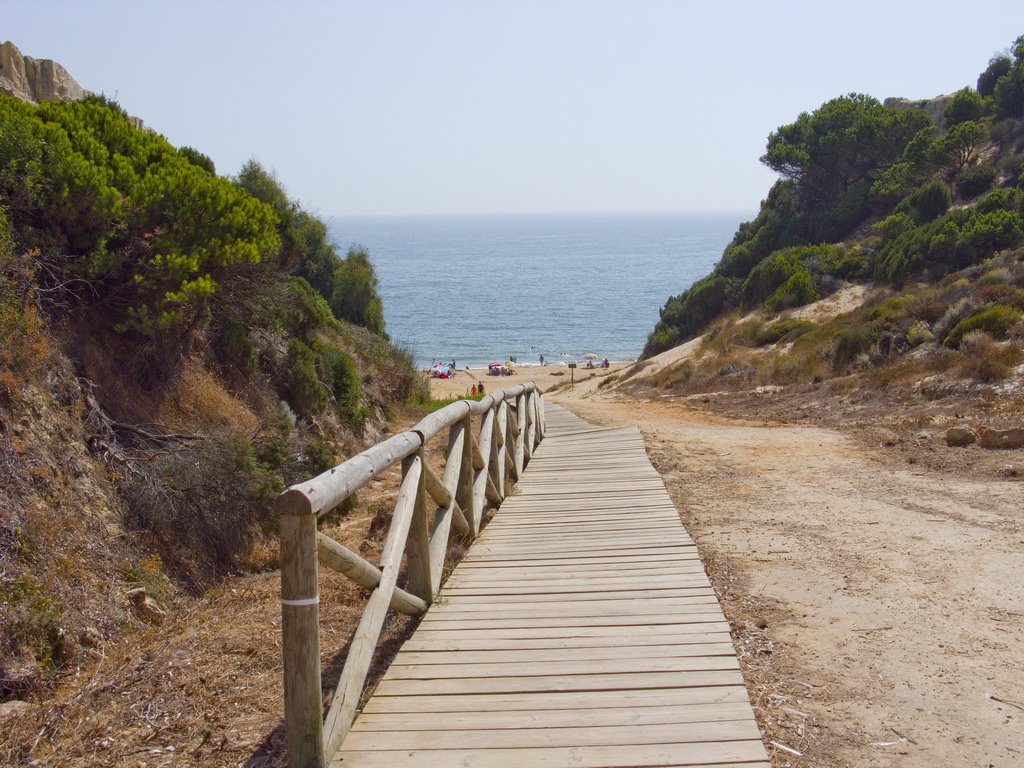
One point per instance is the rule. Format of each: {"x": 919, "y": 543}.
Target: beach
{"x": 547, "y": 377}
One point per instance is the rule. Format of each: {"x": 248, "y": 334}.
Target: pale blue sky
{"x": 500, "y": 107}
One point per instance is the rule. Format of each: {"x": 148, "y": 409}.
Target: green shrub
{"x": 795, "y": 292}
{"x": 972, "y": 181}
{"x": 966, "y": 105}
{"x": 996, "y": 321}
{"x": 850, "y": 344}
{"x": 893, "y": 309}
{"x": 785, "y": 330}
{"x": 919, "y": 333}
{"x": 306, "y": 394}
{"x": 355, "y": 296}
{"x": 338, "y": 370}
{"x": 236, "y": 344}
{"x": 927, "y": 202}
{"x": 322, "y": 456}
{"x": 985, "y": 233}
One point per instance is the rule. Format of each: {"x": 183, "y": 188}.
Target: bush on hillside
{"x": 971, "y": 182}
{"x": 997, "y": 67}
{"x": 306, "y": 393}
{"x": 795, "y": 292}
{"x": 927, "y": 202}
{"x": 203, "y": 504}
{"x": 355, "y": 296}
{"x": 967, "y": 104}
{"x": 996, "y": 321}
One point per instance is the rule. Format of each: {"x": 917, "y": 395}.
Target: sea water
{"x": 478, "y": 289}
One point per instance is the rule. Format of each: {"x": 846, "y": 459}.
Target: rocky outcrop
{"x": 934, "y": 107}
{"x": 35, "y": 80}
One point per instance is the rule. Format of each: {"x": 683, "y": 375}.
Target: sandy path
{"x": 890, "y": 601}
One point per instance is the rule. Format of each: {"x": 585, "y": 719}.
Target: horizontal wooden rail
{"x": 480, "y": 464}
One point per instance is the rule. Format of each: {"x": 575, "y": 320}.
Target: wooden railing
{"x": 474, "y": 477}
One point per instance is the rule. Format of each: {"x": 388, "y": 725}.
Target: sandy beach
{"x": 546, "y": 377}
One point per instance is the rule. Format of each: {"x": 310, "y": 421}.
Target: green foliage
{"x": 850, "y": 344}
{"x": 338, "y": 371}
{"x": 306, "y": 394}
{"x": 927, "y": 202}
{"x": 958, "y": 147}
{"x": 786, "y": 330}
{"x": 198, "y": 159}
{"x": 306, "y": 312}
{"x": 355, "y": 296}
{"x": 236, "y": 344}
{"x": 32, "y": 622}
{"x": 845, "y": 143}
{"x": 153, "y": 233}
{"x": 322, "y": 455}
{"x": 795, "y": 292}
{"x": 985, "y": 233}
{"x": 686, "y": 314}
{"x": 995, "y": 321}
{"x": 966, "y": 105}
{"x": 972, "y": 181}
{"x": 997, "y": 67}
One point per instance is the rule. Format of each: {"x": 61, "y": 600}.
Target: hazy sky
{"x": 484, "y": 107}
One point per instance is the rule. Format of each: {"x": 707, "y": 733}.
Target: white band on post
{"x": 303, "y": 601}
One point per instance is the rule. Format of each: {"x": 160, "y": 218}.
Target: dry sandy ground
{"x": 878, "y": 610}
{"x": 546, "y": 377}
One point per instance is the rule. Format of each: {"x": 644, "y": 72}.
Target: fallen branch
{"x": 1012, "y": 703}
{"x": 784, "y": 748}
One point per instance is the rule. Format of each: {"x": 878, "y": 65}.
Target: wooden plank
{"x": 678, "y": 641}
{"x": 553, "y": 718}
{"x": 616, "y": 630}
{"x": 623, "y": 650}
{"x": 583, "y": 702}
{"x": 635, "y": 734}
{"x": 627, "y": 681}
{"x": 583, "y": 756}
{"x": 585, "y": 666}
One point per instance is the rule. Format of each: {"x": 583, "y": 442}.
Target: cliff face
{"x": 35, "y": 80}
{"x": 934, "y": 107}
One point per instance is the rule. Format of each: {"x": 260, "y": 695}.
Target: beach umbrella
{"x": 590, "y": 356}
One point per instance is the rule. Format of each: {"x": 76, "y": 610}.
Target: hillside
{"x": 177, "y": 347}
{"x": 918, "y": 203}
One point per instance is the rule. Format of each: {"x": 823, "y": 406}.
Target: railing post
{"x": 464, "y": 490}
{"x": 480, "y": 477}
{"x": 521, "y": 437}
{"x": 417, "y": 546}
{"x": 300, "y": 630}
{"x": 497, "y": 464}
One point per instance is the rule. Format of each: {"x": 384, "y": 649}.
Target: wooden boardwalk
{"x": 579, "y": 630}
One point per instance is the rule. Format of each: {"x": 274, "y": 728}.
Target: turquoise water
{"x": 485, "y": 288}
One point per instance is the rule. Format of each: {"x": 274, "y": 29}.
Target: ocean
{"x": 478, "y": 289}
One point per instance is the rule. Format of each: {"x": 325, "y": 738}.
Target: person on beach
{"x": 480, "y": 388}
{"x": 472, "y": 390}
{"x": 605, "y": 364}
{"x": 542, "y": 359}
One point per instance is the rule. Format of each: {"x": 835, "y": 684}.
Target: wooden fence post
{"x": 300, "y": 629}
{"x": 417, "y": 546}
{"x": 464, "y": 490}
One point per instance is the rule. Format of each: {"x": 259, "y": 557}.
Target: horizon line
{"x": 453, "y": 214}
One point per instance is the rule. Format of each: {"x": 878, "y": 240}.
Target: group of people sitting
{"x": 603, "y": 364}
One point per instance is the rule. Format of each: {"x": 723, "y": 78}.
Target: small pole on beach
{"x": 572, "y": 375}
